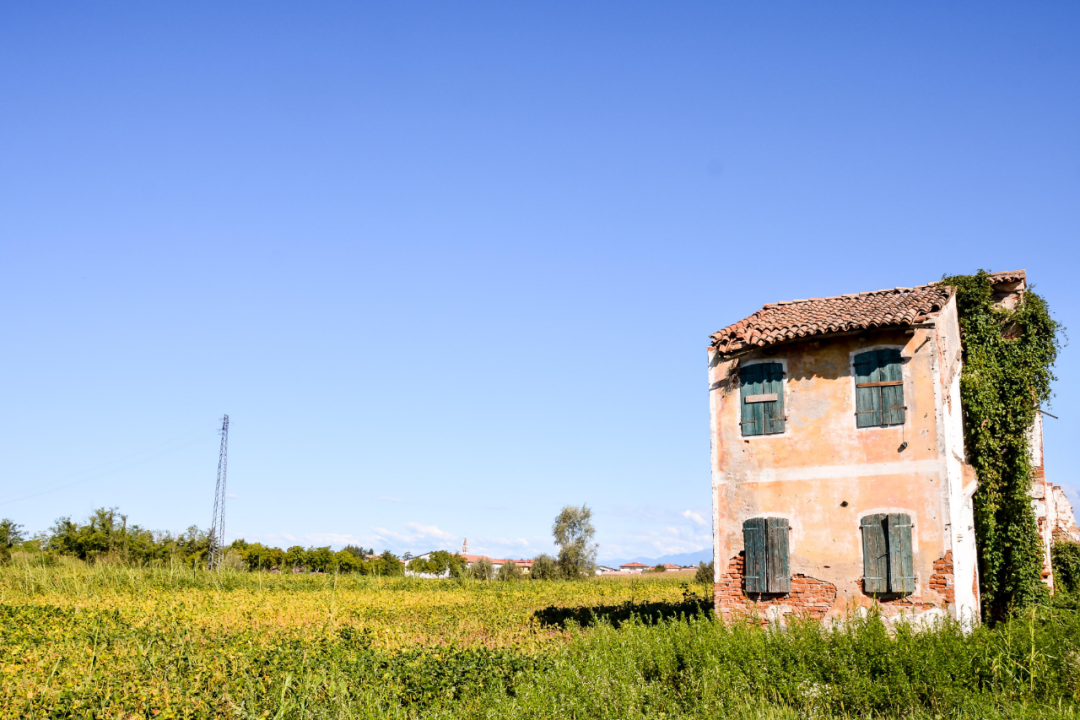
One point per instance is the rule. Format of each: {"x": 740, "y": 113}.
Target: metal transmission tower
{"x": 217, "y": 526}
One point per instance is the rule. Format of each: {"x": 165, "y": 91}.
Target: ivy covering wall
{"x": 1008, "y": 356}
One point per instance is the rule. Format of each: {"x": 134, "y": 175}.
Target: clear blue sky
{"x": 450, "y": 266}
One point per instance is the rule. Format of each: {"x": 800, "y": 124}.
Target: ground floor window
{"x": 766, "y": 550}
{"x": 888, "y": 567}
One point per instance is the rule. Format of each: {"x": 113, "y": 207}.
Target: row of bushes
{"x": 108, "y": 537}
{"x": 256, "y": 557}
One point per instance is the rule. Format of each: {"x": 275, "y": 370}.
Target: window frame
{"x": 782, "y": 397}
{"x": 774, "y": 552}
{"x": 893, "y": 558}
{"x": 903, "y": 385}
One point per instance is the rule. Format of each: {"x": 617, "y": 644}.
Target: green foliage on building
{"x": 1006, "y": 378}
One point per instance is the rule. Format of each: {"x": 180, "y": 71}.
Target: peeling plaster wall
{"x": 962, "y": 481}
{"x": 1063, "y": 521}
{"x": 822, "y": 461}
{"x": 1042, "y": 499}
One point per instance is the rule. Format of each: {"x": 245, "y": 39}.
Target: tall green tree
{"x": 10, "y": 533}
{"x": 319, "y": 559}
{"x": 573, "y": 531}
{"x": 704, "y": 573}
{"x": 295, "y": 556}
{"x": 10, "y": 536}
{"x": 509, "y": 571}
{"x": 545, "y": 567}
{"x": 438, "y": 563}
{"x": 482, "y": 569}
{"x": 359, "y": 551}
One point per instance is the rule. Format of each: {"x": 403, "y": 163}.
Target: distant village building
{"x": 632, "y": 567}
{"x": 525, "y": 565}
{"x": 496, "y": 563}
{"x": 838, "y": 468}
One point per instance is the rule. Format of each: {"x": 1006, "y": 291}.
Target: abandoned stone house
{"x": 838, "y": 468}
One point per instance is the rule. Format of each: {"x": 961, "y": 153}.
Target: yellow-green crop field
{"x": 111, "y": 641}
{"x": 393, "y": 613}
{"x": 103, "y": 641}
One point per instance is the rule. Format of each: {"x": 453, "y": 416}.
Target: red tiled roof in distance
{"x": 632, "y": 565}
{"x": 499, "y": 561}
{"x": 794, "y": 319}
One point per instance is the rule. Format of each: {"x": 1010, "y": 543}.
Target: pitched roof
{"x": 898, "y": 307}
{"x": 633, "y": 564}
{"x": 777, "y": 322}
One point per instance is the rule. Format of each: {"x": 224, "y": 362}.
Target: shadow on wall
{"x": 811, "y": 362}
{"x": 649, "y": 612}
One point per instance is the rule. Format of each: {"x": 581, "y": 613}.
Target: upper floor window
{"x": 888, "y": 566}
{"x": 761, "y": 389}
{"x": 879, "y": 388}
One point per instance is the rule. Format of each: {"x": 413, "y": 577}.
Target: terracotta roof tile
{"x": 1009, "y": 276}
{"x": 499, "y": 561}
{"x": 792, "y": 319}
{"x": 778, "y": 322}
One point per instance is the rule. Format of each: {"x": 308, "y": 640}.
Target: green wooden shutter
{"x": 752, "y": 413}
{"x": 773, "y": 382}
{"x": 867, "y": 400}
{"x": 755, "y": 573}
{"x": 901, "y": 563}
{"x": 875, "y": 554}
{"x": 779, "y": 573}
{"x": 892, "y": 396}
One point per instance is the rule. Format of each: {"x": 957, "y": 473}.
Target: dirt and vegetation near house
{"x": 111, "y": 641}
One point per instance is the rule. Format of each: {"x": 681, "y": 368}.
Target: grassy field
{"x": 115, "y": 642}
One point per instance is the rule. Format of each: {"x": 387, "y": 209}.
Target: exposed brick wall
{"x": 814, "y": 598}
{"x": 942, "y": 579}
{"x": 808, "y": 597}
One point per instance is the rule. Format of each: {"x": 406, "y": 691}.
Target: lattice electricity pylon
{"x": 217, "y": 525}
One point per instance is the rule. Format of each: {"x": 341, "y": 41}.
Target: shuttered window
{"x": 762, "y": 395}
{"x": 888, "y": 566}
{"x": 766, "y": 555}
{"x": 879, "y": 389}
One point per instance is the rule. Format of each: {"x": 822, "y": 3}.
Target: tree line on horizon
{"x": 107, "y": 537}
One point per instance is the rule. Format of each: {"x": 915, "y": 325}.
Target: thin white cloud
{"x": 696, "y": 517}
{"x": 230, "y": 495}
{"x": 507, "y": 547}
{"x": 674, "y": 548}
{"x": 336, "y": 539}
{"x": 269, "y": 538}
{"x": 431, "y": 531}
{"x": 390, "y": 499}
{"x": 383, "y": 533}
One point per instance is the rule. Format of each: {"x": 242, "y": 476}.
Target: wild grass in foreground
{"x": 146, "y": 647}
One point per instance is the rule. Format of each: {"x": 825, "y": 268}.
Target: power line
{"x": 113, "y": 467}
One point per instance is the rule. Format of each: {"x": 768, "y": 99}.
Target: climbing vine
{"x": 1008, "y": 356}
